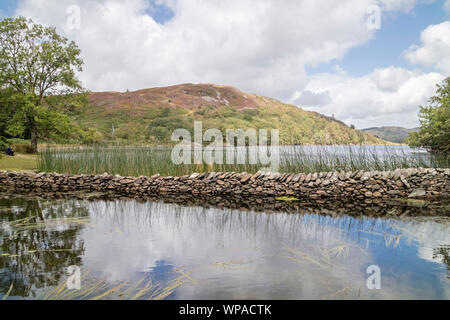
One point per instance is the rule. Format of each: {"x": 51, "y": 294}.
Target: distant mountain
{"x": 151, "y": 115}
{"x": 392, "y": 134}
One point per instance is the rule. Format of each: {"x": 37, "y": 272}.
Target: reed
{"x": 147, "y": 161}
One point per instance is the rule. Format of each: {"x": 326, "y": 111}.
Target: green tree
{"x": 434, "y": 133}
{"x": 36, "y": 62}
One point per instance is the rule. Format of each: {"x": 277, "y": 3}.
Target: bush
{"x": 4, "y": 143}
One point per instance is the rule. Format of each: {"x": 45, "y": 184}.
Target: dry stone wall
{"x": 359, "y": 185}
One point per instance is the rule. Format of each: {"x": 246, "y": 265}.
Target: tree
{"x": 35, "y": 62}
{"x": 434, "y": 133}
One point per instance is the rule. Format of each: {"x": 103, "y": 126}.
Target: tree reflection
{"x": 37, "y": 244}
{"x": 443, "y": 253}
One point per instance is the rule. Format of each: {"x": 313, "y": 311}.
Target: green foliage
{"x": 434, "y": 132}
{"x": 34, "y": 62}
{"x": 52, "y": 124}
{"x": 4, "y": 143}
{"x": 90, "y": 136}
{"x": 19, "y": 113}
{"x": 155, "y": 125}
{"x": 35, "y": 59}
{"x": 164, "y": 121}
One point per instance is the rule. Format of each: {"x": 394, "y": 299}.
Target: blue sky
{"x": 398, "y": 32}
{"x": 8, "y": 6}
{"x": 160, "y": 12}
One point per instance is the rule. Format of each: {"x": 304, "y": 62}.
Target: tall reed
{"x": 136, "y": 160}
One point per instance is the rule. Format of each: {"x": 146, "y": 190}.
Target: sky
{"x": 365, "y": 62}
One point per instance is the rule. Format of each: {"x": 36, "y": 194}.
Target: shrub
{"x": 4, "y": 143}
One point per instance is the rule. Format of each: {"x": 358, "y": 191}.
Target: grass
{"x": 147, "y": 161}
{"x": 21, "y": 162}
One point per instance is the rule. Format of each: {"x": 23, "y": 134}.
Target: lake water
{"x": 128, "y": 249}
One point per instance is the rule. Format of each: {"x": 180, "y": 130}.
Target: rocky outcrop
{"x": 358, "y": 185}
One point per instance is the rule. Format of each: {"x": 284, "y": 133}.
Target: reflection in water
{"x": 221, "y": 253}
{"x": 37, "y": 243}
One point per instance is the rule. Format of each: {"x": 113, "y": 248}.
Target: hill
{"x": 392, "y": 134}
{"x": 151, "y": 115}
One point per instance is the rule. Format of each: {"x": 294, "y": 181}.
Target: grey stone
{"x": 417, "y": 193}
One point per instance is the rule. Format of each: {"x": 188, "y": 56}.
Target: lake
{"x": 125, "y": 249}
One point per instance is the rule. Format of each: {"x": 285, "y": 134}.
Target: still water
{"x": 133, "y": 250}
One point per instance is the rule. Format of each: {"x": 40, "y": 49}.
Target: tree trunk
{"x": 34, "y": 142}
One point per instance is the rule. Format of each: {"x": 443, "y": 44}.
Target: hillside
{"x": 151, "y": 115}
{"x": 392, "y": 134}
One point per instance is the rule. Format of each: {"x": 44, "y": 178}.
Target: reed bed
{"x": 147, "y": 161}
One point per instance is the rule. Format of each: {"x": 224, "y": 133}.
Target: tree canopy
{"x": 434, "y": 133}
{"x": 35, "y": 62}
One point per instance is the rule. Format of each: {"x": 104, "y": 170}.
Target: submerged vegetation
{"x": 101, "y": 289}
{"x": 147, "y": 161}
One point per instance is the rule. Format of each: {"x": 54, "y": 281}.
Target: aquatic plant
{"x": 137, "y": 161}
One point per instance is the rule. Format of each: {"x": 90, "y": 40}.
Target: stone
{"x": 369, "y": 187}
{"x": 256, "y": 175}
{"x": 126, "y": 181}
{"x": 308, "y": 178}
{"x": 417, "y": 193}
{"x": 366, "y": 176}
{"x": 289, "y": 178}
{"x": 403, "y": 180}
{"x": 194, "y": 175}
{"x": 397, "y": 174}
{"x": 377, "y": 195}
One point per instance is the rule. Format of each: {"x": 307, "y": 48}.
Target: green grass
{"x": 147, "y": 161}
{"x": 20, "y": 162}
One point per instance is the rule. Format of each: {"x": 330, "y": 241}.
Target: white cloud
{"x": 258, "y": 46}
{"x": 435, "y": 48}
{"x": 309, "y": 98}
{"x": 389, "y": 96}
{"x": 390, "y": 79}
